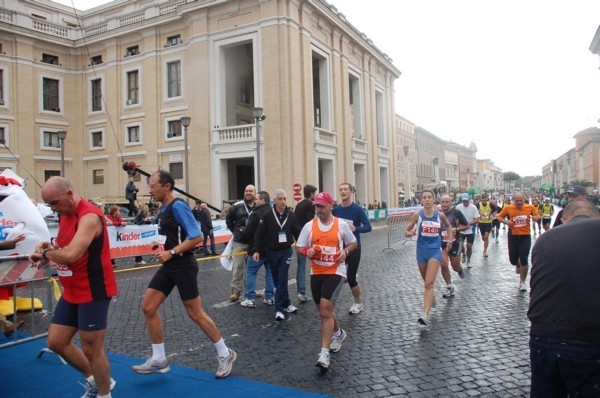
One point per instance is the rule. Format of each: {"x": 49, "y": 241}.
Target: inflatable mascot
{"x": 18, "y": 216}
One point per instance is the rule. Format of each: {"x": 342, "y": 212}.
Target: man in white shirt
{"x": 471, "y": 213}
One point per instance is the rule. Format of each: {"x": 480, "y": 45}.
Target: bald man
{"x": 518, "y": 216}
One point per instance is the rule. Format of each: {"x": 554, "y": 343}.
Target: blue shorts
{"x": 425, "y": 254}
{"x": 87, "y": 316}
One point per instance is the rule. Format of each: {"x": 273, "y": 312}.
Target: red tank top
{"x": 90, "y": 278}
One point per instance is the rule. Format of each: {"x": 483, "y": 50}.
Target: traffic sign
{"x": 297, "y": 187}
{"x": 297, "y": 196}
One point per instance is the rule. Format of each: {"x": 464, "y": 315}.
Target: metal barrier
{"x": 396, "y": 225}
{"x": 16, "y": 271}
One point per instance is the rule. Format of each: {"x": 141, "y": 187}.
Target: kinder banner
{"x": 398, "y": 211}
{"x": 137, "y": 240}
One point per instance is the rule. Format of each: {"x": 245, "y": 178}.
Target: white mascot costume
{"x": 18, "y": 215}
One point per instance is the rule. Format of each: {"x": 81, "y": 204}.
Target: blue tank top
{"x": 429, "y": 231}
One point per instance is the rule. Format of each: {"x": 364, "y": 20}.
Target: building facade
{"x": 406, "y": 157}
{"x": 119, "y": 78}
{"x": 430, "y": 161}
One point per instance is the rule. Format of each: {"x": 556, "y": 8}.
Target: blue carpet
{"x": 23, "y": 375}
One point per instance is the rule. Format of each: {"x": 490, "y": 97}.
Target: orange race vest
{"x": 327, "y": 245}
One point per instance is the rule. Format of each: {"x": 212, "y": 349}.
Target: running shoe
{"x": 485, "y": 254}
{"x": 461, "y": 273}
{"x": 449, "y": 292}
{"x": 152, "y": 366}
{"x": 323, "y": 361}
{"x": 279, "y": 316}
{"x": 291, "y": 309}
{"x": 269, "y": 301}
{"x": 248, "y": 303}
{"x": 336, "y": 341}
{"x": 523, "y": 286}
{"x": 91, "y": 390}
{"x": 225, "y": 364}
{"x": 424, "y": 320}
{"x": 303, "y": 298}
{"x": 356, "y": 309}
{"x": 469, "y": 263}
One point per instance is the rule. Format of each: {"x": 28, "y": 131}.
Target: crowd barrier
{"x": 397, "y": 221}
{"x": 16, "y": 272}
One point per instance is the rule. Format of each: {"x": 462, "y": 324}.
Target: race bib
{"x": 327, "y": 255}
{"x": 520, "y": 221}
{"x": 445, "y": 237}
{"x": 63, "y": 270}
{"x": 430, "y": 228}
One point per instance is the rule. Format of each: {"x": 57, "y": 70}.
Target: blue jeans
{"x": 301, "y": 274}
{"x": 211, "y": 235}
{"x": 561, "y": 368}
{"x": 252, "y": 268}
{"x": 280, "y": 265}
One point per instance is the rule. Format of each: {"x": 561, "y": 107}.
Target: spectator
{"x": 131, "y": 195}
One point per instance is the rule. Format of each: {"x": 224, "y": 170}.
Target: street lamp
{"x": 62, "y": 134}
{"x": 185, "y": 122}
{"x": 257, "y": 113}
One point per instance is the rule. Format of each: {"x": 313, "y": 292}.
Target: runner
{"x": 450, "y": 255}
{"x": 486, "y": 211}
{"x": 468, "y": 236}
{"x": 517, "y": 216}
{"x": 537, "y": 225}
{"x": 429, "y": 246}
{"x": 495, "y": 222}
{"x": 547, "y": 211}
{"x": 356, "y": 218}
{"x": 327, "y": 241}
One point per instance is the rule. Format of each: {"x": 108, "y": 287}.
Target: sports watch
{"x": 173, "y": 252}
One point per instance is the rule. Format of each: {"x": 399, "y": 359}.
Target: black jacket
{"x": 131, "y": 191}
{"x": 236, "y": 220}
{"x": 565, "y": 275}
{"x": 247, "y": 234}
{"x": 267, "y": 233}
{"x": 304, "y": 212}
{"x": 205, "y": 220}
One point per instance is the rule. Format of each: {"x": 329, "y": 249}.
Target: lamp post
{"x": 62, "y": 134}
{"x": 185, "y": 122}
{"x": 407, "y": 184}
{"x": 468, "y": 182}
{"x": 257, "y": 113}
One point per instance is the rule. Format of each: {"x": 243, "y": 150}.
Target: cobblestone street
{"x": 476, "y": 345}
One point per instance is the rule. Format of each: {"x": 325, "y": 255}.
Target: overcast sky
{"x": 514, "y": 76}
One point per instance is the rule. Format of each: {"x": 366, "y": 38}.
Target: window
{"x": 96, "y": 95}
{"x": 51, "y": 173}
{"x": 321, "y": 90}
{"x": 3, "y": 137}
{"x": 174, "y": 79}
{"x": 96, "y": 60}
{"x": 98, "y": 176}
{"x": 50, "y": 59}
{"x": 133, "y": 134}
{"x": 133, "y": 50}
{"x": 133, "y": 88}
{"x": 96, "y": 138}
{"x": 50, "y": 95}
{"x": 173, "y": 40}
{"x": 176, "y": 170}
{"x": 174, "y": 129}
{"x": 50, "y": 139}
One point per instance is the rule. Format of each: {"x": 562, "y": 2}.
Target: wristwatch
{"x": 173, "y": 252}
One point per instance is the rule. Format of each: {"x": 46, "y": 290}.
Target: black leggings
{"x": 352, "y": 262}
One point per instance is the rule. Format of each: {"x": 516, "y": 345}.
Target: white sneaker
{"x": 225, "y": 364}
{"x": 291, "y": 309}
{"x": 248, "y": 303}
{"x": 303, "y": 298}
{"x": 91, "y": 390}
{"x": 152, "y": 366}
{"x": 523, "y": 286}
{"x": 279, "y": 316}
{"x": 336, "y": 341}
{"x": 450, "y": 291}
{"x": 356, "y": 309}
{"x": 142, "y": 262}
{"x": 323, "y": 361}
{"x": 423, "y": 320}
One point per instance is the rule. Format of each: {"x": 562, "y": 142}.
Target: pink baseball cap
{"x": 323, "y": 199}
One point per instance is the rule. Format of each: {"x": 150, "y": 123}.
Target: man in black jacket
{"x": 564, "y": 308}
{"x": 305, "y": 212}
{"x": 206, "y": 226}
{"x": 236, "y": 221}
{"x": 261, "y": 206}
{"x": 276, "y": 232}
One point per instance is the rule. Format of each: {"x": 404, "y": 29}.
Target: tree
{"x": 511, "y": 177}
